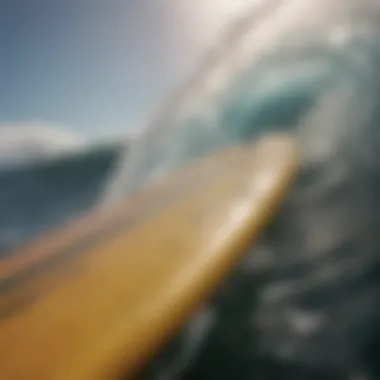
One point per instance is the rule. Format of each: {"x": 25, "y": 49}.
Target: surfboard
{"x": 97, "y": 299}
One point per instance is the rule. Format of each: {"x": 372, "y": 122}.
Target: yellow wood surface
{"x": 99, "y": 298}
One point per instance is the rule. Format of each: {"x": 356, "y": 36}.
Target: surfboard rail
{"x": 99, "y": 298}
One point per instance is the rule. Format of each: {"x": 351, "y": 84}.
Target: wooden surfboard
{"x": 97, "y": 299}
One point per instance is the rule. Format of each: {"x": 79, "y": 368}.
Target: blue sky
{"x": 97, "y": 66}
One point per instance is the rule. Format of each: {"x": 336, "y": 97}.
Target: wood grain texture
{"x": 126, "y": 282}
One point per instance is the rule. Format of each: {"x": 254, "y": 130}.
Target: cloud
{"x": 34, "y": 141}
{"x": 54, "y": 136}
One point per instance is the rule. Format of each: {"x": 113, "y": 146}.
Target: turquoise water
{"x": 282, "y": 89}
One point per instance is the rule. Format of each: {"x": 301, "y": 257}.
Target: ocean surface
{"x": 39, "y": 197}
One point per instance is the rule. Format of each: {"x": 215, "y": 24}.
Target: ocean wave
{"x": 37, "y": 198}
